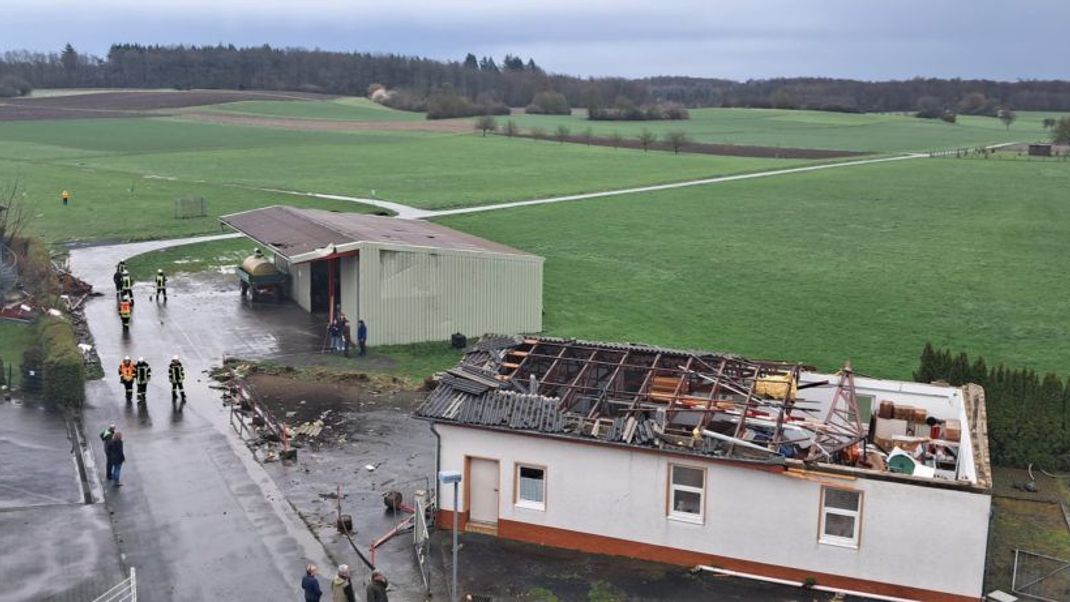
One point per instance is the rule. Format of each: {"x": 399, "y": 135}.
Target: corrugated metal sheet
{"x": 410, "y": 295}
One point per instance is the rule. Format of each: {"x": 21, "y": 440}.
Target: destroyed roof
{"x": 688, "y": 402}
{"x": 294, "y": 232}
{"x": 513, "y": 383}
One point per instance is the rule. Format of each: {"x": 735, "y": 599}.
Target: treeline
{"x": 1027, "y": 412}
{"x": 483, "y": 81}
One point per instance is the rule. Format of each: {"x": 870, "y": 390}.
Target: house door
{"x": 483, "y": 491}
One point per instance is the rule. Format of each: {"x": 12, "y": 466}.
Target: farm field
{"x": 345, "y": 109}
{"x": 424, "y": 170}
{"x": 873, "y": 132}
{"x": 867, "y": 263}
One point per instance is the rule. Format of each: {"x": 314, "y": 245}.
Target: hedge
{"x": 63, "y": 370}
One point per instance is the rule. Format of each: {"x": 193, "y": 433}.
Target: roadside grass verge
{"x": 15, "y": 337}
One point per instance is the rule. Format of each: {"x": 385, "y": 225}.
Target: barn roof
{"x": 304, "y": 234}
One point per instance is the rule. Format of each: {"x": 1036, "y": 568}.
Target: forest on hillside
{"x": 513, "y": 81}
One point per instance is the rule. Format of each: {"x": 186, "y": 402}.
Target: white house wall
{"x": 916, "y": 536}
{"x": 410, "y": 295}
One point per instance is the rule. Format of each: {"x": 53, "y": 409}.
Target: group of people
{"x": 340, "y": 335}
{"x": 342, "y": 586}
{"x": 124, "y": 291}
{"x": 140, "y": 373}
{"x": 113, "y": 451}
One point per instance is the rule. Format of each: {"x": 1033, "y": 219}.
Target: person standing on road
{"x": 334, "y": 335}
{"x": 376, "y": 590}
{"x": 176, "y": 373}
{"x": 362, "y": 336}
{"x": 347, "y": 333}
{"x": 161, "y": 285}
{"x": 127, "y": 286}
{"x": 117, "y": 278}
{"x": 142, "y": 375}
{"x": 342, "y": 586}
{"x": 114, "y": 451}
{"x": 105, "y": 436}
{"x": 127, "y": 371}
{"x": 311, "y": 585}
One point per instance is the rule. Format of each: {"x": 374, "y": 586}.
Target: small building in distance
{"x": 752, "y": 468}
{"x": 410, "y": 281}
{"x": 1040, "y": 150}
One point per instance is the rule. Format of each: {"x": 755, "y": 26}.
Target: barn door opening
{"x": 326, "y": 294}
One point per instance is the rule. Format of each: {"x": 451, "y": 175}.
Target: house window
{"x": 531, "y": 487}
{"x": 687, "y": 486}
{"x": 841, "y": 512}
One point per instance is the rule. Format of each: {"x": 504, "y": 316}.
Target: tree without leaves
{"x": 676, "y": 140}
{"x": 486, "y": 123}
{"x": 587, "y": 134}
{"x": 646, "y": 138}
{"x": 511, "y": 128}
{"x": 538, "y": 133}
{"x": 561, "y": 133}
{"x": 616, "y": 139}
{"x": 1048, "y": 123}
{"x": 15, "y": 214}
{"x": 1007, "y": 116}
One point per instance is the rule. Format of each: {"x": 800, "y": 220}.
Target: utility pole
{"x": 454, "y": 477}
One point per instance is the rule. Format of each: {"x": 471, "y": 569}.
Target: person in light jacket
{"x": 342, "y": 586}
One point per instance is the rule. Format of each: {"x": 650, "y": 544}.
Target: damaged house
{"x": 766, "y": 469}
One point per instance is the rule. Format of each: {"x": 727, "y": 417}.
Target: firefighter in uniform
{"x": 142, "y": 374}
{"x": 126, "y": 306}
{"x": 128, "y": 286}
{"x": 126, "y": 376}
{"x": 161, "y": 285}
{"x": 176, "y": 373}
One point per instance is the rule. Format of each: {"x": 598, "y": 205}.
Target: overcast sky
{"x": 737, "y": 39}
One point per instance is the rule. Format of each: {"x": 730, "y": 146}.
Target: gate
{"x": 1040, "y": 577}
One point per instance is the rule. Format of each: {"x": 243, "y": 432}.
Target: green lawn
{"x": 14, "y": 339}
{"x": 866, "y": 263}
{"x": 200, "y": 257}
{"x": 344, "y": 109}
{"x": 422, "y": 169}
{"x": 812, "y": 129}
{"x": 118, "y": 206}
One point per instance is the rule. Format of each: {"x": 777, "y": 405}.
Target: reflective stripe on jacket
{"x": 126, "y": 371}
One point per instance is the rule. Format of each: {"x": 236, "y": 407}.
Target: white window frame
{"x": 520, "y": 502}
{"x": 856, "y": 514}
{"x": 687, "y": 517}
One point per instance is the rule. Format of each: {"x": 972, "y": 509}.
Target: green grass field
{"x": 343, "y": 109}
{"x": 866, "y": 263}
{"x": 812, "y": 129}
{"x": 422, "y": 169}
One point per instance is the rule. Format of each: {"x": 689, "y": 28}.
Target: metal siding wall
{"x": 301, "y": 285}
{"x": 417, "y": 295}
{"x": 349, "y": 270}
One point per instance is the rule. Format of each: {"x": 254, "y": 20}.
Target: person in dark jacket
{"x": 176, "y": 373}
{"x": 105, "y": 436}
{"x": 142, "y": 375}
{"x": 161, "y": 285}
{"x": 114, "y": 451}
{"x": 362, "y": 335}
{"x": 376, "y": 590}
{"x": 311, "y": 585}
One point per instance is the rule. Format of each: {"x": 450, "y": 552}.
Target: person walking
{"x": 126, "y": 310}
{"x": 342, "y": 586}
{"x": 376, "y": 590}
{"x": 114, "y": 451}
{"x": 362, "y": 336}
{"x": 142, "y": 375}
{"x": 117, "y": 278}
{"x": 176, "y": 373}
{"x": 66, "y": 196}
{"x": 311, "y": 585}
{"x": 161, "y": 285}
{"x": 105, "y": 436}
{"x": 127, "y": 371}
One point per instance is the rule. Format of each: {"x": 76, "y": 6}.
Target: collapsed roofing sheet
{"x": 293, "y": 232}
{"x": 702, "y": 403}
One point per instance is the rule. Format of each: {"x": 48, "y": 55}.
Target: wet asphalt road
{"x": 197, "y": 516}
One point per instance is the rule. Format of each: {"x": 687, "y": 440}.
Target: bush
{"x": 627, "y": 111}
{"x": 12, "y": 85}
{"x": 446, "y": 105}
{"x": 949, "y": 117}
{"x": 1060, "y": 133}
{"x": 62, "y": 367}
{"x": 549, "y": 103}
